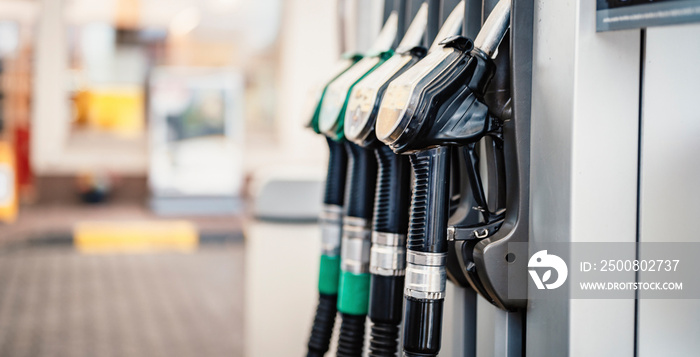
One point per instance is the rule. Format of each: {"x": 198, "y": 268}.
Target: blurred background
{"x": 157, "y": 180}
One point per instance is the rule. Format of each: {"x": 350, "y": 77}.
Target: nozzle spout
{"x": 494, "y": 28}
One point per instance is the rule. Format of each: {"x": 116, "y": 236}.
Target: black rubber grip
{"x": 383, "y": 339}
{"x": 337, "y": 168}
{"x": 430, "y": 201}
{"x": 385, "y": 312}
{"x": 393, "y": 192}
{"x": 423, "y": 328}
{"x": 322, "y": 329}
{"x": 361, "y": 181}
{"x": 352, "y": 335}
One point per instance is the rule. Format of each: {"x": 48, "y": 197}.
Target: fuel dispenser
{"x": 461, "y": 113}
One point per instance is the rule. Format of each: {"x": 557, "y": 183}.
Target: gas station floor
{"x": 56, "y": 301}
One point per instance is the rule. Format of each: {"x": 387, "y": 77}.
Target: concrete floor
{"x": 57, "y": 302}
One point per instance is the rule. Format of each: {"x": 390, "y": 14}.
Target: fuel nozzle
{"x": 390, "y": 217}
{"x": 331, "y": 221}
{"x": 436, "y": 104}
{"x": 353, "y": 286}
{"x": 439, "y": 100}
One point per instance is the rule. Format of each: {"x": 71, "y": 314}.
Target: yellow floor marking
{"x": 135, "y": 236}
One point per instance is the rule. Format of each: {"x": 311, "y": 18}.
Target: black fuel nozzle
{"x": 426, "y": 252}
{"x": 436, "y": 104}
{"x": 388, "y": 252}
{"x": 387, "y": 255}
{"x": 444, "y": 108}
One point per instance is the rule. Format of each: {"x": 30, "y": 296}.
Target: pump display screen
{"x": 364, "y": 94}
{"x": 630, "y": 14}
{"x": 403, "y": 92}
{"x": 337, "y": 92}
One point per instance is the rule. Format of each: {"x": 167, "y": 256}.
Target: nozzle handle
{"x": 427, "y": 246}
{"x": 388, "y": 260}
{"x": 335, "y": 179}
{"x": 361, "y": 181}
{"x": 429, "y": 212}
{"x": 393, "y": 192}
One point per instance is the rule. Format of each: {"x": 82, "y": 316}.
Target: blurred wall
{"x": 309, "y": 47}
{"x": 49, "y": 97}
{"x": 303, "y": 54}
{"x": 229, "y": 33}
